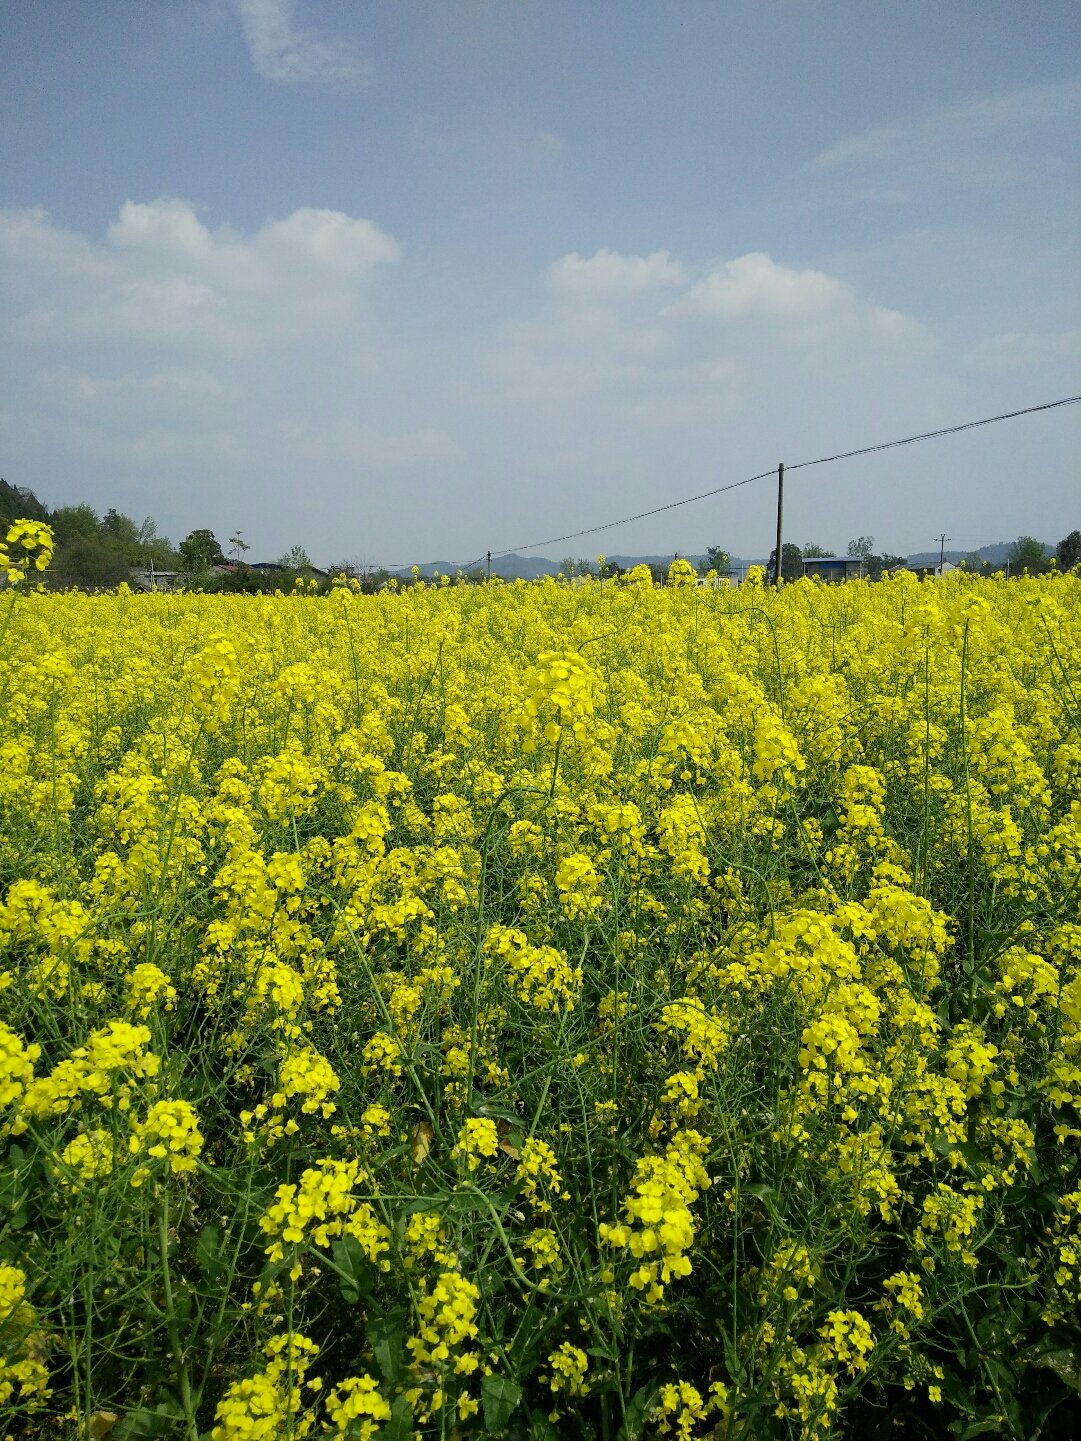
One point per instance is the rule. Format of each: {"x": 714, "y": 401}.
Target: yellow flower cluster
{"x": 567, "y": 1375}
{"x": 319, "y": 1207}
{"x": 269, "y": 1405}
{"x": 24, "y": 1379}
{"x": 27, "y": 543}
{"x": 659, "y": 1230}
{"x": 107, "y": 1067}
{"x": 170, "y": 1132}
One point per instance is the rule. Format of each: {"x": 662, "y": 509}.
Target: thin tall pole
{"x": 942, "y": 539}
{"x": 780, "y": 519}
{"x": 489, "y": 565}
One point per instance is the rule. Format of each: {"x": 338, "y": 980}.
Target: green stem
{"x": 183, "y": 1379}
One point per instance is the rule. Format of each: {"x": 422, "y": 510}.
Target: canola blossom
{"x": 540, "y": 1010}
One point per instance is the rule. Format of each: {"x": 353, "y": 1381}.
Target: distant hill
{"x": 531, "y": 567}
{"x": 996, "y": 554}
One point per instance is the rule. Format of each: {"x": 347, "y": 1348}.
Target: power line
{"x": 934, "y": 434}
{"x": 642, "y": 515}
{"x": 768, "y": 474}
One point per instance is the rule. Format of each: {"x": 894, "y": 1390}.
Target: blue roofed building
{"x": 832, "y": 569}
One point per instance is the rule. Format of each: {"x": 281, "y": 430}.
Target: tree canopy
{"x": 295, "y": 559}
{"x": 791, "y": 563}
{"x": 199, "y": 551}
{"x": 1029, "y": 554}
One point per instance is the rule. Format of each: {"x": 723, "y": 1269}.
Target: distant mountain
{"x": 531, "y": 567}
{"x": 996, "y": 554}
{"x": 510, "y": 567}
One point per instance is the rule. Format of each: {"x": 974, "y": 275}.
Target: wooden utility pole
{"x": 780, "y": 519}
{"x": 942, "y": 539}
{"x": 489, "y": 565}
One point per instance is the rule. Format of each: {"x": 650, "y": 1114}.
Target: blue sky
{"x": 411, "y": 280}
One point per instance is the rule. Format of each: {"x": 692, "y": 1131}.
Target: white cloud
{"x": 318, "y": 241}
{"x": 800, "y": 307}
{"x": 754, "y": 284}
{"x": 609, "y": 273}
{"x": 327, "y": 240}
{"x": 282, "y": 52}
{"x": 956, "y": 135}
{"x": 162, "y": 277}
{"x": 663, "y": 339}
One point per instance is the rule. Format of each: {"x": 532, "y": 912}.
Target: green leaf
{"x": 400, "y": 1425}
{"x": 634, "y": 1417}
{"x": 356, "y": 1275}
{"x": 499, "y": 1396}
{"x": 482, "y": 1106}
{"x": 540, "y": 1428}
{"x": 208, "y": 1249}
{"x": 145, "y": 1424}
{"x": 981, "y": 1428}
{"x": 15, "y": 1186}
{"x": 461, "y": 1202}
{"x": 437, "y": 1201}
{"x": 1065, "y": 1364}
{"x": 386, "y": 1337}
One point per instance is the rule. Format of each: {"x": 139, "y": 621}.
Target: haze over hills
{"x": 527, "y": 567}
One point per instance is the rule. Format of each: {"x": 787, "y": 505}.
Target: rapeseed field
{"x": 540, "y": 1011}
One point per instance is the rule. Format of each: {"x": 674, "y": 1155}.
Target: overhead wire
{"x": 764, "y": 475}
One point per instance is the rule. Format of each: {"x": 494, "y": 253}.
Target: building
{"x": 833, "y": 569}
{"x": 149, "y": 580}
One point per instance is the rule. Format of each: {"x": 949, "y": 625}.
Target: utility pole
{"x": 489, "y": 565}
{"x": 780, "y": 517}
{"x": 942, "y": 539}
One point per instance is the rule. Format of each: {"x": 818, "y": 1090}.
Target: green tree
{"x": 296, "y": 559}
{"x": 1029, "y": 554}
{"x": 122, "y": 533}
{"x": 876, "y": 565}
{"x": 570, "y": 566}
{"x": 718, "y": 560}
{"x": 862, "y": 547}
{"x": 199, "y": 551}
{"x": 811, "y": 551}
{"x": 1069, "y": 550}
{"x": 154, "y": 549}
{"x": 791, "y": 563}
{"x": 18, "y": 503}
{"x": 90, "y": 563}
{"x": 75, "y": 522}
{"x": 238, "y": 545}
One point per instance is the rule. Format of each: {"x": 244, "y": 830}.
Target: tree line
{"x": 95, "y": 552}
{"x": 1025, "y": 555}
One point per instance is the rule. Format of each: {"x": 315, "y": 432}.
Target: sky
{"x": 409, "y": 280}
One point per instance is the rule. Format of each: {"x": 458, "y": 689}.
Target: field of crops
{"x": 543, "y": 1011}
